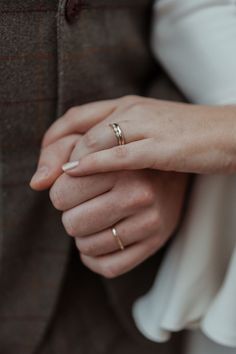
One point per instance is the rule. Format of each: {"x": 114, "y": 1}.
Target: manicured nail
{"x": 41, "y": 173}
{"x": 70, "y": 165}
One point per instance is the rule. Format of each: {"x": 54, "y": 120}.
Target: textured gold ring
{"x": 117, "y": 238}
{"x": 118, "y": 133}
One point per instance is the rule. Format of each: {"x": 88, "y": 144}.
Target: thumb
{"x": 51, "y": 158}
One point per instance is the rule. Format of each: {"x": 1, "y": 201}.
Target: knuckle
{"x": 109, "y": 271}
{"x": 71, "y": 112}
{"x": 135, "y": 200}
{"x": 137, "y": 109}
{"x": 86, "y": 247}
{"x": 147, "y": 194}
{"x": 154, "y": 219}
{"x": 141, "y": 197}
{"x": 130, "y": 98}
{"x": 56, "y": 197}
{"x": 46, "y": 137}
{"x": 68, "y": 224}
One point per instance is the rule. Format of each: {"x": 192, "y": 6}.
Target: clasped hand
{"x": 143, "y": 204}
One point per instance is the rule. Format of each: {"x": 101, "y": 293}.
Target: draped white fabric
{"x": 196, "y": 285}
{"x": 195, "y": 40}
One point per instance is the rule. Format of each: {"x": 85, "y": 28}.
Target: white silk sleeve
{"x": 195, "y": 41}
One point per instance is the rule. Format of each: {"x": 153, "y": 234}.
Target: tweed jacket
{"x": 55, "y": 54}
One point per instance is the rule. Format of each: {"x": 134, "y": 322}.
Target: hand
{"x": 160, "y": 135}
{"x": 60, "y": 140}
{"x": 144, "y": 206}
{"x": 52, "y": 156}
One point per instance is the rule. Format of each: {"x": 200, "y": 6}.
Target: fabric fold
{"x": 195, "y": 286}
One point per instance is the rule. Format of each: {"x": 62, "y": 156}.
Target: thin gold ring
{"x": 118, "y": 133}
{"x": 117, "y": 237}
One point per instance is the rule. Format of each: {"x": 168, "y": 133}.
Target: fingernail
{"x": 41, "y": 173}
{"x": 70, "y": 165}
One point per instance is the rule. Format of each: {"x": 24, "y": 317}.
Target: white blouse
{"x": 195, "y": 288}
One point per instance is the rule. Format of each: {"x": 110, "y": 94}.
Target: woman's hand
{"x": 159, "y": 135}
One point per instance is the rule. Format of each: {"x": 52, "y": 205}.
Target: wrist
{"x": 224, "y": 138}
{"x": 212, "y": 146}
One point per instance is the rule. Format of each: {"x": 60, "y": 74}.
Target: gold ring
{"x": 118, "y": 240}
{"x": 118, "y": 133}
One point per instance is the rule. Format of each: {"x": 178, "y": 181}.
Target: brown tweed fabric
{"x": 49, "y": 303}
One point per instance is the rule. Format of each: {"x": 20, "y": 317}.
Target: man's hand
{"x": 144, "y": 206}
{"x": 51, "y": 158}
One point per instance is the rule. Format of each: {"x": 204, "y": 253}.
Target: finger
{"x": 50, "y": 161}
{"x": 102, "y": 136}
{"x": 68, "y": 192}
{"x": 79, "y": 119}
{"x": 137, "y": 155}
{"x": 118, "y": 263}
{"x": 131, "y": 230}
{"x": 95, "y": 215}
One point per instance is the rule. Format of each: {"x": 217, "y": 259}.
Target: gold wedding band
{"x": 118, "y": 133}
{"x": 118, "y": 240}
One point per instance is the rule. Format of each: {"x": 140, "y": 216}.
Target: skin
{"x": 144, "y": 205}
{"x": 159, "y": 135}
{"x": 123, "y": 185}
